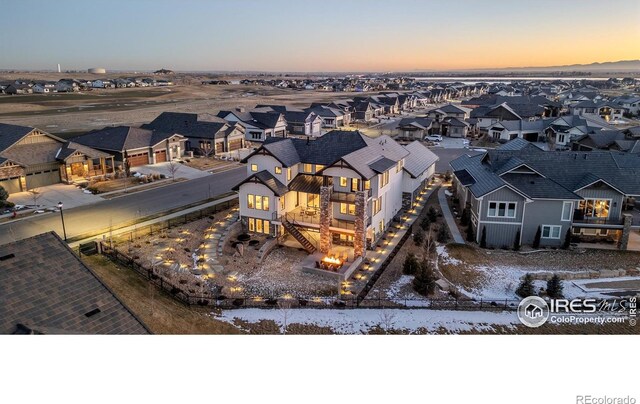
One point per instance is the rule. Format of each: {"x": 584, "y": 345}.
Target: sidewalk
{"x": 154, "y": 220}
{"x": 451, "y": 223}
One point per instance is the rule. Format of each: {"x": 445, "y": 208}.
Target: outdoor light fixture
{"x": 64, "y": 231}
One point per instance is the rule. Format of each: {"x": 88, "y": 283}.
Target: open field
{"x": 95, "y": 109}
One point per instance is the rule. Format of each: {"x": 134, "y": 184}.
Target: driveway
{"x": 182, "y": 171}
{"x": 49, "y": 196}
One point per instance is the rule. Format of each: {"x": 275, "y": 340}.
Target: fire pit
{"x": 329, "y": 263}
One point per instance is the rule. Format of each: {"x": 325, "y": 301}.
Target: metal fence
{"x": 155, "y": 228}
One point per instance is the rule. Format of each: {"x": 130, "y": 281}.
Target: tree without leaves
{"x": 526, "y": 288}
{"x": 555, "y": 287}
{"x": 173, "y": 169}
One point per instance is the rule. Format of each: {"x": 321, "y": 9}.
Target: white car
{"x": 433, "y": 138}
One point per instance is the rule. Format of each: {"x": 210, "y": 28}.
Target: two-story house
{"x": 518, "y": 188}
{"x": 342, "y": 188}
{"x": 258, "y": 124}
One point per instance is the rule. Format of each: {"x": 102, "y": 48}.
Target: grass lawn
{"x": 161, "y": 313}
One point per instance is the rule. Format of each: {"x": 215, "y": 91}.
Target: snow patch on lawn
{"x": 361, "y": 321}
{"x": 401, "y": 292}
{"x": 445, "y": 257}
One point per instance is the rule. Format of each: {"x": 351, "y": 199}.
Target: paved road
{"x": 102, "y": 214}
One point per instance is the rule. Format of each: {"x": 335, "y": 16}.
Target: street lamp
{"x": 64, "y": 231}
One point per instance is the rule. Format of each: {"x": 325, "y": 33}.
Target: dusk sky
{"x": 328, "y": 35}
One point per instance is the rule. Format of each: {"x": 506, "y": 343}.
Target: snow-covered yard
{"x": 362, "y": 321}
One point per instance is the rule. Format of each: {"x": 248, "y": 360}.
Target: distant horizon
{"x": 340, "y": 36}
{"x": 503, "y": 70}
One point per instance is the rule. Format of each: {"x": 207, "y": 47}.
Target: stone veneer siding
{"x": 360, "y": 236}
{"x": 326, "y": 216}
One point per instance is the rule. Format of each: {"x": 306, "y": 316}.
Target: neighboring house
{"x": 139, "y": 146}
{"x": 414, "y": 128}
{"x": 31, "y": 158}
{"x": 18, "y": 89}
{"x": 258, "y": 124}
{"x": 527, "y": 130}
{"x": 202, "y": 137}
{"x": 342, "y": 188}
{"x": 439, "y": 116}
{"x": 630, "y": 103}
{"x": 299, "y": 122}
{"x": 67, "y": 86}
{"x": 46, "y": 289}
{"x": 454, "y": 127}
{"x": 332, "y": 117}
{"x": 608, "y": 111}
{"x": 518, "y": 188}
{"x": 44, "y": 88}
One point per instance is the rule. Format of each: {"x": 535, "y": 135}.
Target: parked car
{"x": 433, "y": 138}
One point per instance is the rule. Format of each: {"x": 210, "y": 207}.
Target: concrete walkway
{"x": 451, "y": 223}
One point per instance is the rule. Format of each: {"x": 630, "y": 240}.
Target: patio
{"x": 316, "y": 263}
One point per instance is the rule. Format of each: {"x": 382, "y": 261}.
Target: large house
{"x": 608, "y": 111}
{"x": 518, "y": 189}
{"x": 332, "y": 116}
{"x": 342, "y": 188}
{"x": 31, "y": 158}
{"x": 258, "y": 124}
{"x": 138, "y": 146}
{"x": 414, "y": 128}
{"x": 202, "y": 137}
{"x": 299, "y": 122}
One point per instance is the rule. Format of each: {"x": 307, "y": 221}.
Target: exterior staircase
{"x": 293, "y": 230}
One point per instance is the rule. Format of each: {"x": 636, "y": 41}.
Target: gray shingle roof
{"x": 536, "y": 187}
{"x": 120, "y": 138}
{"x": 419, "y": 159}
{"x": 47, "y": 289}
{"x": 306, "y": 183}
{"x": 10, "y": 134}
{"x": 187, "y": 125}
{"x": 267, "y": 179}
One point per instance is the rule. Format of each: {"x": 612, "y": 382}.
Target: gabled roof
{"x": 267, "y": 179}
{"x": 187, "y": 125}
{"x": 419, "y": 160}
{"x": 47, "y": 289}
{"x": 121, "y": 138}
{"x": 11, "y": 134}
{"x": 69, "y": 148}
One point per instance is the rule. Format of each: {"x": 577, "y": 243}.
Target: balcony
{"x": 600, "y": 222}
{"x": 311, "y": 218}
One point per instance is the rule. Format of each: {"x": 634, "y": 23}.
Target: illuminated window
{"x": 252, "y": 224}
{"x": 278, "y": 170}
{"x": 354, "y": 184}
{"x": 381, "y": 226}
{"x": 595, "y": 207}
{"x": 259, "y": 226}
{"x": 265, "y": 227}
{"x": 367, "y": 185}
{"x": 343, "y": 181}
{"x": 254, "y": 168}
{"x": 282, "y": 203}
{"x": 308, "y": 168}
{"x": 258, "y": 202}
{"x": 250, "y": 199}
{"x": 384, "y": 179}
{"x": 319, "y": 167}
{"x": 288, "y": 174}
{"x": 347, "y": 208}
{"x": 265, "y": 202}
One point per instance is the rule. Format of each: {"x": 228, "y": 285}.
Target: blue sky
{"x": 327, "y": 35}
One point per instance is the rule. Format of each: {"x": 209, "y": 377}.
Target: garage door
{"x": 219, "y": 147}
{"x": 42, "y": 179}
{"x": 138, "y": 159}
{"x": 11, "y": 185}
{"x": 235, "y": 144}
{"x": 161, "y": 156}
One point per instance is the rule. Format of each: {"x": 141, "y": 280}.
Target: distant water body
{"x": 475, "y": 80}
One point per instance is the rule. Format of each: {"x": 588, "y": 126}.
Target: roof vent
{"x": 92, "y": 312}
{"x": 7, "y": 257}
